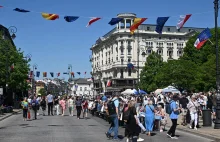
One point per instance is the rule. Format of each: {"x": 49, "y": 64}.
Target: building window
{"x": 121, "y": 73}
{"x": 80, "y": 88}
{"x": 179, "y": 53}
{"x": 189, "y": 30}
{"x": 116, "y": 58}
{"x": 148, "y": 28}
{"x": 129, "y": 47}
{"x": 129, "y": 72}
{"x": 168, "y": 29}
{"x": 129, "y": 60}
{"x": 149, "y": 51}
{"x": 160, "y": 52}
{"x": 170, "y": 53}
{"x": 170, "y": 38}
{"x": 102, "y": 62}
{"x": 85, "y": 89}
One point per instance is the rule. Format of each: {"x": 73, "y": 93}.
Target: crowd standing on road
{"x": 137, "y": 114}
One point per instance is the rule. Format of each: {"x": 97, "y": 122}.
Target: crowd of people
{"x": 137, "y": 114}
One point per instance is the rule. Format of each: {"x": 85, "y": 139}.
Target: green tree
{"x": 147, "y": 77}
{"x": 43, "y": 92}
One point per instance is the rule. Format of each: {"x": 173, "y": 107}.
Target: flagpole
{"x": 138, "y": 52}
{"x": 217, "y": 121}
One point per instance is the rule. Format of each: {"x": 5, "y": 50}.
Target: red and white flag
{"x": 182, "y": 21}
{"x": 58, "y": 74}
{"x": 109, "y": 83}
{"x": 93, "y": 20}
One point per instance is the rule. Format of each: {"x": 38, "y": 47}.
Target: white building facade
{"x": 112, "y": 52}
{"x": 82, "y": 87}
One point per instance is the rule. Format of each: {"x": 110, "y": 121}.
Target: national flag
{"x": 202, "y": 38}
{"x": 58, "y": 74}
{"x": 160, "y": 24}
{"x": 115, "y": 21}
{"x": 71, "y": 18}
{"x": 182, "y": 21}
{"x": 93, "y": 20}
{"x": 38, "y": 74}
{"x": 21, "y": 10}
{"x": 137, "y": 22}
{"x": 130, "y": 66}
{"x": 78, "y": 73}
{"x": 109, "y": 83}
{"x": 52, "y": 74}
{"x": 50, "y": 16}
{"x": 44, "y": 74}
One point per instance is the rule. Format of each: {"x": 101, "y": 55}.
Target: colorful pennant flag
{"x": 78, "y": 73}
{"x": 51, "y": 73}
{"x": 50, "y": 16}
{"x": 137, "y": 22}
{"x": 72, "y": 74}
{"x": 93, "y": 20}
{"x": 115, "y": 21}
{"x": 38, "y": 74}
{"x": 202, "y": 38}
{"x": 182, "y": 21}
{"x": 71, "y": 18}
{"x": 58, "y": 74}
{"x": 44, "y": 74}
{"x": 85, "y": 72}
{"x": 65, "y": 73}
{"x": 21, "y": 10}
{"x": 160, "y": 24}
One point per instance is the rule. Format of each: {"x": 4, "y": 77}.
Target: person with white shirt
{"x": 50, "y": 102}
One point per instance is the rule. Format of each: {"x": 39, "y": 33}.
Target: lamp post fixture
{"x": 12, "y": 30}
{"x": 33, "y": 78}
{"x": 70, "y": 71}
{"x": 28, "y": 57}
{"x": 217, "y": 121}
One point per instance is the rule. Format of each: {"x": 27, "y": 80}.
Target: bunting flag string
{"x": 137, "y": 21}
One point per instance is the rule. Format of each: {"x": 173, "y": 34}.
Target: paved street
{"x": 69, "y": 129}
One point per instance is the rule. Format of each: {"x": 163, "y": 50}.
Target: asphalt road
{"x": 70, "y": 129}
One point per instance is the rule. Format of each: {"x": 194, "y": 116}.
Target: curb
{"x": 214, "y": 138}
{"x": 10, "y": 115}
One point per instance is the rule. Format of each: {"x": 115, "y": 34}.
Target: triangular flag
{"x": 78, "y": 73}
{"x": 85, "y": 72}
{"x": 58, "y": 74}
{"x": 71, "y": 18}
{"x": 50, "y": 16}
{"x": 72, "y": 74}
{"x": 202, "y": 38}
{"x": 44, "y": 74}
{"x": 51, "y": 73}
{"x": 182, "y": 21}
{"x": 93, "y": 20}
{"x": 115, "y": 21}
{"x": 137, "y": 22}
{"x": 65, "y": 72}
{"x": 21, "y": 10}
{"x": 160, "y": 24}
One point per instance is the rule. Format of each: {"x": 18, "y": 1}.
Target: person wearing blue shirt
{"x": 173, "y": 116}
{"x": 34, "y": 106}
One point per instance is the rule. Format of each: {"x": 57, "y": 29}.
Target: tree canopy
{"x": 194, "y": 71}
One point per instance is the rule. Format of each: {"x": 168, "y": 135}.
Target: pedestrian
{"x": 43, "y": 104}
{"x": 173, "y": 116}
{"x": 70, "y": 103}
{"x": 78, "y": 104}
{"x": 50, "y": 101}
{"x": 63, "y": 105}
{"x": 113, "y": 113}
{"x": 24, "y": 105}
{"x": 149, "y": 117}
{"x": 34, "y": 106}
{"x": 57, "y": 105}
{"x": 85, "y": 108}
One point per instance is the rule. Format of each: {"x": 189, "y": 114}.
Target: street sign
{"x": 1, "y": 91}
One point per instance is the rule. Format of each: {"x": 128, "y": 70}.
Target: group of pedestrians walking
{"x": 56, "y": 105}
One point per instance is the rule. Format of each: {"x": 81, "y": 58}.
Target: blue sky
{"x": 55, "y": 44}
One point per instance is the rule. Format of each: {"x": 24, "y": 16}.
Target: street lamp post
{"x": 33, "y": 78}
{"x": 28, "y": 57}
{"x": 217, "y": 121}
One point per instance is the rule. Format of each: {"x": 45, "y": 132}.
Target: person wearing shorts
{"x": 85, "y": 108}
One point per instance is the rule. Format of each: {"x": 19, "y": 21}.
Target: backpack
{"x": 111, "y": 107}
{"x": 168, "y": 108}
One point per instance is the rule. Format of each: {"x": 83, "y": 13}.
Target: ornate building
{"x": 112, "y": 52}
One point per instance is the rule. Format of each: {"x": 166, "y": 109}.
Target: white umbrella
{"x": 128, "y": 92}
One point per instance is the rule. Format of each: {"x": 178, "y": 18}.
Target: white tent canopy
{"x": 128, "y": 92}
{"x": 170, "y": 89}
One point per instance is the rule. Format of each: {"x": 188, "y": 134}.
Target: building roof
{"x": 81, "y": 81}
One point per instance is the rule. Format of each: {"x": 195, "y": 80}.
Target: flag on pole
{"x": 202, "y": 38}
{"x": 38, "y": 74}
{"x": 182, "y": 21}
{"x": 160, "y": 24}
{"x": 109, "y": 83}
{"x": 115, "y": 21}
{"x": 52, "y": 74}
{"x": 93, "y": 20}
{"x": 137, "y": 22}
{"x": 130, "y": 66}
